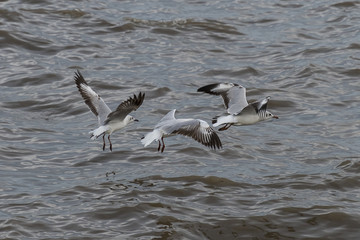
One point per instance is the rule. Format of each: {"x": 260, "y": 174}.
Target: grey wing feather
{"x": 236, "y": 99}
{"x": 256, "y": 107}
{"x": 217, "y": 88}
{"x": 234, "y": 95}
{"x": 198, "y": 130}
{"x": 91, "y": 98}
{"x": 261, "y": 105}
{"x": 126, "y": 107}
{"x": 248, "y": 110}
{"x": 168, "y": 117}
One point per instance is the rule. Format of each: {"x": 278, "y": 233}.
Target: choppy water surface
{"x": 292, "y": 178}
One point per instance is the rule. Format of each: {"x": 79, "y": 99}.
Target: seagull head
{"x": 130, "y": 119}
{"x": 270, "y": 115}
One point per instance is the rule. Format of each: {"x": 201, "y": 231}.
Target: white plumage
{"x": 239, "y": 111}
{"x": 198, "y": 129}
{"x": 109, "y": 121}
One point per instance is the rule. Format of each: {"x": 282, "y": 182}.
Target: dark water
{"x": 292, "y": 178}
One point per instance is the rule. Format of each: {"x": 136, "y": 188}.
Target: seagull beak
{"x": 136, "y": 120}
{"x": 276, "y": 117}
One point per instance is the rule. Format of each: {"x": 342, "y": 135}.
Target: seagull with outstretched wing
{"x": 239, "y": 111}
{"x": 109, "y": 121}
{"x": 198, "y": 129}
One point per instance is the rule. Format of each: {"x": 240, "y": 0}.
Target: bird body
{"x": 111, "y": 127}
{"x": 239, "y": 111}
{"x": 109, "y": 121}
{"x": 154, "y": 135}
{"x": 236, "y": 120}
{"x": 198, "y": 129}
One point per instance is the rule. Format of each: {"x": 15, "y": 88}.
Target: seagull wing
{"x": 255, "y": 107}
{"x": 236, "y": 99}
{"x": 199, "y": 130}
{"x": 234, "y": 95}
{"x": 91, "y": 98}
{"x": 261, "y": 105}
{"x": 170, "y": 116}
{"x": 126, "y": 107}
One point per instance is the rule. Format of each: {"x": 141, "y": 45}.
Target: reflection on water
{"x": 296, "y": 177}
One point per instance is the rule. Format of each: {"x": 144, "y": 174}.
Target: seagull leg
{"x": 104, "y": 141}
{"x": 163, "y": 147}
{"x": 110, "y": 143}
{"x": 159, "y": 146}
{"x": 225, "y": 127}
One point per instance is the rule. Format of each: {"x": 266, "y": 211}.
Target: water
{"x": 292, "y": 178}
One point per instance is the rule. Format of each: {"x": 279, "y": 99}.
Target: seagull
{"x": 109, "y": 121}
{"x": 240, "y": 112}
{"x": 198, "y": 129}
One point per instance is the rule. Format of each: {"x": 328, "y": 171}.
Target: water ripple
{"x": 294, "y": 177}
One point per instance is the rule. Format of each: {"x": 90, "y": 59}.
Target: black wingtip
{"x": 78, "y": 78}
{"x": 77, "y": 73}
{"x": 208, "y": 88}
{"x": 216, "y": 143}
{"x": 140, "y": 98}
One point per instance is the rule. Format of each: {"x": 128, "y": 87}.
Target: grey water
{"x": 296, "y": 177}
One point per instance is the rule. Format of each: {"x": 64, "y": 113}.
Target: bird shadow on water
{"x": 103, "y": 157}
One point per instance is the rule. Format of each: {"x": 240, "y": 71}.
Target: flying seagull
{"x": 195, "y": 128}
{"x": 240, "y": 112}
{"x": 109, "y": 121}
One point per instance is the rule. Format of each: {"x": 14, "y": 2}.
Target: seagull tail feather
{"x": 150, "y": 137}
{"x": 217, "y": 121}
{"x": 97, "y": 132}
